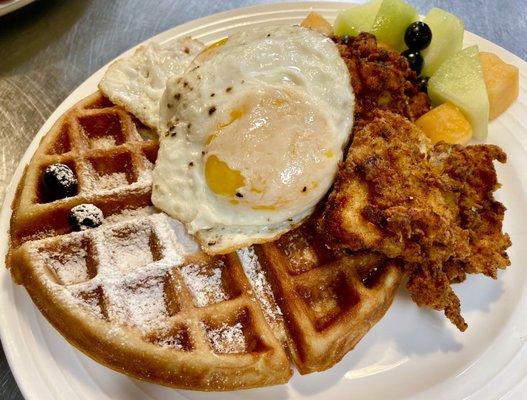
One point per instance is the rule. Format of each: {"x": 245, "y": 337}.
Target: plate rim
{"x": 13, "y": 6}
{"x": 10, "y": 350}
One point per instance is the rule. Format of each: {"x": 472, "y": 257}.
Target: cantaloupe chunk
{"x": 318, "y": 23}
{"x": 445, "y": 123}
{"x": 502, "y": 81}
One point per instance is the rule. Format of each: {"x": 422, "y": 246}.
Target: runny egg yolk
{"x": 221, "y": 179}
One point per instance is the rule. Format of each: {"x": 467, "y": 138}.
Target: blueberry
{"x": 85, "y": 216}
{"x": 59, "y": 181}
{"x": 418, "y": 36}
{"x": 423, "y": 83}
{"x": 415, "y": 60}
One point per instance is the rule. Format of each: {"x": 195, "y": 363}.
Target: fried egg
{"x": 252, "y": 134}
{"x": 137, "y": 82}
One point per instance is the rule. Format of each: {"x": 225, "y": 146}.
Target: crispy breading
{"x": 430, "y": 206}
{"x": 381, "y": 79}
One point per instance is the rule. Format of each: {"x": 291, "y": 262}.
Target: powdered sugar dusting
{"x": 91, "y": 301}
{"x": 128, "y": 214}
{"x": 204, "y": 283}
{"x": 140, "y": 305}
{"x": 227, "y": 338}
{"x": 129, "y": 248}
{"x": 68, "y": 262}
{"x": 262, "y": 290}
{"x": 104, "y": 142}
{"x": 96, "y": 182}
{"x": 175, "y": 341}
{"x": 259, "y": 281}
{"x": 110, "y": 181}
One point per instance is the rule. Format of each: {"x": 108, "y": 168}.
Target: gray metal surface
{"x": 49, "y": 47}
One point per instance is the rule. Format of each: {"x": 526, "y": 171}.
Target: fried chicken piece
{"x": 381, "y": 79}
{"x": 429, "y": 206}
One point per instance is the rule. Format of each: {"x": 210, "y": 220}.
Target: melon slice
{"x": 445, "y": 123}
{"x": 356, "y": 19}
{"x": 447, "y": 39}
{"x": 459, "y": 80}
{"x": 391, "y": 22}
{"x": 502, "y": 82}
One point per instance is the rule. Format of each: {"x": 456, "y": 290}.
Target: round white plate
{"x": 411, "y": 354}
{"x": 11, "y": 5}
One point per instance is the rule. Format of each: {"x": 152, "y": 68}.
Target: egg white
{"x": 296, "y": 81}
{"x": 137, "y": 82}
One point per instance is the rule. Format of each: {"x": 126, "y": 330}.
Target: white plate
{"x": 9, "y": 6}
{"x": 411, "y": 354}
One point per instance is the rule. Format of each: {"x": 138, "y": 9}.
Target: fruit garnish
{"x": 318, "y": 23}
{"x": 417, "y": 36}
{"x": 502, "y": 81}
{"x": 59, "y": 181}
{"x": 445, "y": 123}
{"x": 415, "y": 60}
{"x": 356, "y": 19}
{"x": 459, "y": 80}
{"x": 391, "y": 22}
{"x": 85, "y": 216}
{"x": 447, "y": 39}
{"x": 423, "y": 83}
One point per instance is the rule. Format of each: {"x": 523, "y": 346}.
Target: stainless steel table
{"x": 49, "y": 47}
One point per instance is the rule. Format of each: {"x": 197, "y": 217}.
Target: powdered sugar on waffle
{"x": 129, "y": 248}
{"x": 114, "y": 183}
{"x": 104, "y": 142}
{"x": 128, "y": 214}
{"x": 262, "y": 290}
{"x": 70, "y": 267}
{"x": 142, "y": 305}
{"x": 173, "y": 342}
{"x": 227, "y": 338}
{"x": 130, "y": 277}
{"x": 206, "y": 285}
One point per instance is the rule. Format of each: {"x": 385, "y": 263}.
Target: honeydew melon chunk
{"x": 447, "y": 39}
{"x": 391, "y": 22}
{"x": 459, "y": 80}
{"x": 356, "y": 19}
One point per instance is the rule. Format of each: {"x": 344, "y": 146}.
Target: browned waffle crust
{"x": 329, "y": 301}
{"x": 137, "y": 296}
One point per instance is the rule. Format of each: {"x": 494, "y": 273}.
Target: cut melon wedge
{"x": 459, "y": 80}
{"x": 357, "y": 19}
{"x": 391, "y": 22}
{"x": 447, "y": 39}
{"x": 502, "y": 81}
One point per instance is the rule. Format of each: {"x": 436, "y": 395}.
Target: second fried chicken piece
{"x": 429, "y": 206}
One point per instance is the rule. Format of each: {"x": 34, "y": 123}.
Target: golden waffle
{"x": 134, "y": 293}
{"x": 137, "y": 295}
{"x": 329, "y": 301}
